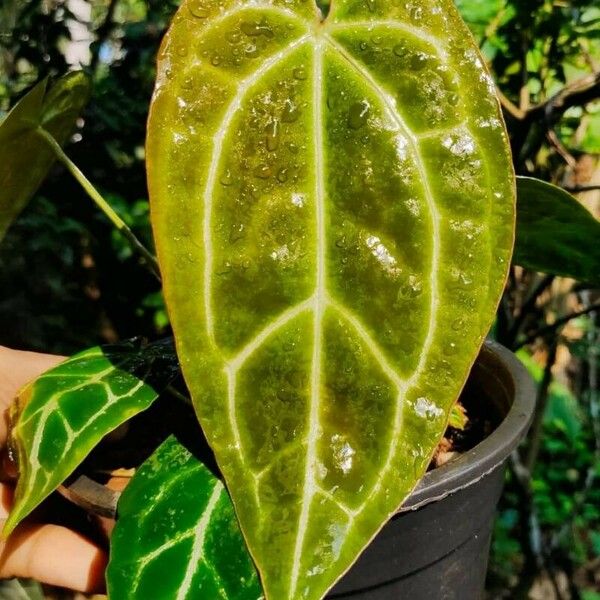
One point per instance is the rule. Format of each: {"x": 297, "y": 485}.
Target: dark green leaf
{"x": 60, "y": 417}
{"x": 25, "y": 157}
{"x": 555, "y": 233}
{"x": 177, "y": 536}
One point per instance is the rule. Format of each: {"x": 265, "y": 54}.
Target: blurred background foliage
{"x": 68, "y": 280}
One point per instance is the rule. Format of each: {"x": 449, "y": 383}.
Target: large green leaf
{"x": 177, "y": 536}
{"x": 25, "y": 158}
{"x": 556, "y": 233}
{"x": 333, "y": 204}
{"x": 60, "y": 417}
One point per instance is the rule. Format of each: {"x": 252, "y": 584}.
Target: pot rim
{"x": 489, "y": 454}
{"x": 469, "y": 468}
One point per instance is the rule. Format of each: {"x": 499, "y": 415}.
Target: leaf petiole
{"x": 148, "y": 258}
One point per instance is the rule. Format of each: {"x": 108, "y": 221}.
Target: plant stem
{"x": 528, "y": 307}
{"x": 580, "y": 189}
{"x": 535, "y": 437}
{"x": 544, "y": 331}
{"x": 148, "y": 258}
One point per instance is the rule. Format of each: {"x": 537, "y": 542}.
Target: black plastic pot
{"x": 436, "y": 547}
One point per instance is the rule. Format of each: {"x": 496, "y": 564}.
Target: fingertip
{"x": 56, "y": 556}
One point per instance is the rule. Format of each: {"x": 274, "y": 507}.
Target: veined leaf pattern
{"x": 25, "y": 157}
{"x": 333, "y": 205}
{"x": 177, "y": 536}
{"x": 61, "y": 416}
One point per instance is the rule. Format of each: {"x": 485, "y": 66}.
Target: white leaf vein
{"x": 313, "y": 429}
{"x": 415, "y": 31}
{"x": 199, "y": 538}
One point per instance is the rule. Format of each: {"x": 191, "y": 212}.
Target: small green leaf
{"x": 61, "y": 416}
{"x": 458, "y": 417}
{"x": 25, "y": 157}
{"x": 555, "y": 233}
{"x": 177, "y": 535}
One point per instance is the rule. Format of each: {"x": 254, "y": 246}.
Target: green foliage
{"x": 294, "y": 258}
{"x": 562, "y": 411}
{"x": 60, "y": 417}
{"x": 21, "y": 589}
{"x": 90, "y": 294}
{"x": 555, "y": 233}
{"x": 177, "y": 535}
{"x": 25, "y": 157}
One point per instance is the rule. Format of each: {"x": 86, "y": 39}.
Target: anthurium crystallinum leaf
{"x": 333, "y": 205}
{"x": 177, "y": 536}
{"x": 25, "y": 157}
{"x": 61, "y": 416}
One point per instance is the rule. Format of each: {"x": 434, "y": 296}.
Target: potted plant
{"x": 333, "y": 203}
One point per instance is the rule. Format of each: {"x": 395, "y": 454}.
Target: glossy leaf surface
{"x": 333, "y": 205}
{"x": 25, "y": 157}
{"x": 555, "y": 233}
{"x": 177, "y": 536}
{"x": 60, "y": 417}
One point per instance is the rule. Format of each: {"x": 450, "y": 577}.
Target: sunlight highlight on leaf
{"x": 60, "y": 417}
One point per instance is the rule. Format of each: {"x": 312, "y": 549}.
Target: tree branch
{"x": 528, "y": 306}
{"x": 576, "y": 93}
{"x": 544, "y": 331}
{"x": 579, "y": 189}
{"x": 102, "y": 34}
{"x": 535, "y": 437}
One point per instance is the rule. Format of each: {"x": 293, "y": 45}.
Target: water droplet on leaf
{"x": 453, "y": 99}
{"x": 418, "y": 61}
{"x": 233, "y": 36}
{"x": 412, "y": 288}
{"x": 262, "y": 172}
{"x": 272, "y": 130}
{"x": 199, "y": 9}
{"x": 458, "y": 325}
{"x": 300, "y": 73}
{"x": 416, "y": 13}
{"x": 255, "y": 29}
{"x": 358, "y": 114}
{"x": 290, "y": 112}
{"x": 226, "y": 178}
{"x": 400, "y": 50}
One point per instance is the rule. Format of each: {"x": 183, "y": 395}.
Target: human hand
{"x": 48, "y": 553}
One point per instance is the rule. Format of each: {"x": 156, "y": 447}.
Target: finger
{"x": 17, "y": 368}
{"x": 54, "y": 555}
